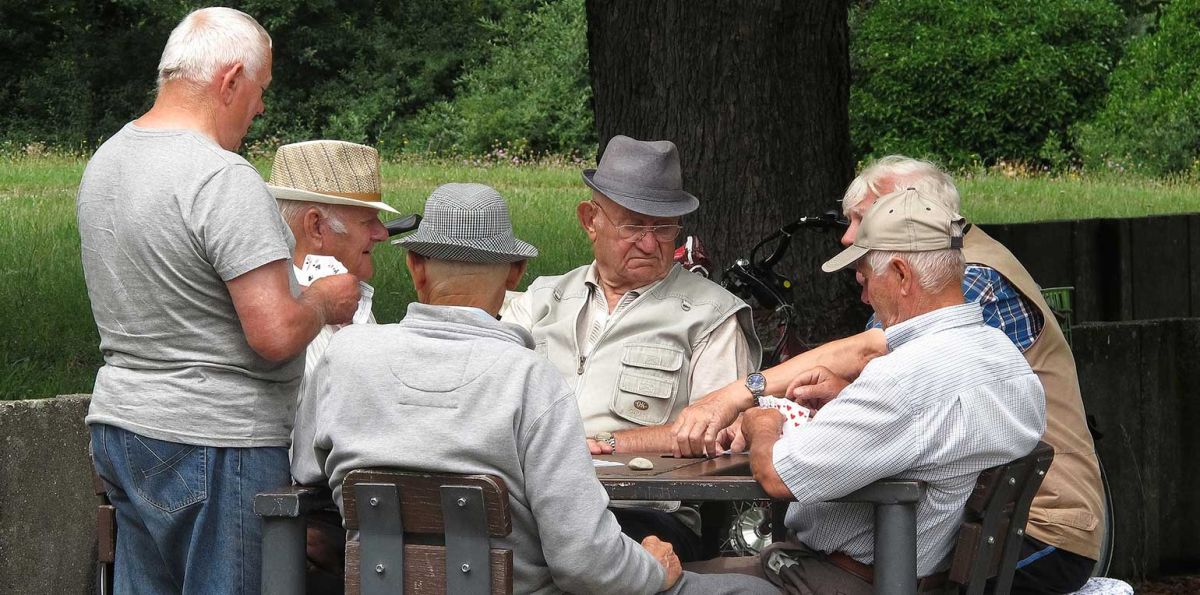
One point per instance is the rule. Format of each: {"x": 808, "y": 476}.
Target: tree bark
{"x": 754, "y": 93}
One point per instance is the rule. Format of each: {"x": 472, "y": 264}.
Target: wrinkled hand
{"x": 599, "y": 448}
{"x": 337, "y": 296}
{"x": 816, "y": 387}
{"x": 731, "y": 438}
{"x": 665, "y": 554}
{"x": 761, "y": 421}
{"x": 697, "y": 426}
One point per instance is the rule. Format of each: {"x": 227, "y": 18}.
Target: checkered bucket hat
{"x": 467, "y": 223}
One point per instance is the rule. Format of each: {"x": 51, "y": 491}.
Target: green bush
{"x": 979, "y": 80}
{"x": 530, "y": 95}
{"x": 1151, "y": 119}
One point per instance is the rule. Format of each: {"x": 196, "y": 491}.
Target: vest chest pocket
{"x": 647, "y": 384}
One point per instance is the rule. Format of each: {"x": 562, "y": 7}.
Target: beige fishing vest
{"x": 1067, "y": 511}
{"x": 638, "y": 372}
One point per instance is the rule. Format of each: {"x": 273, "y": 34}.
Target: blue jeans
{"x": 185, "y": 521}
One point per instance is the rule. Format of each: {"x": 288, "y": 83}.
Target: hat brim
{"x": 673, "y": 203}
{"x": 485, "y": 252}
{"x": 282, "y": 193}
{"x": 844, "y": 259}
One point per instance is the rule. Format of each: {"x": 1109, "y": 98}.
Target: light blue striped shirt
{"x": 953, "y": 397}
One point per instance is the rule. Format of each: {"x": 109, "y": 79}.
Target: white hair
{"x": 293, "y": 210}
{"x": 935, "y": 269}
{"x": 210, "y": 39}
{"x": 897, "y": 171}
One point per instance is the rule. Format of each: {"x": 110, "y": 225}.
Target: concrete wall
{"x": 1139, "y": 380}
{"x": 47, "y": 504}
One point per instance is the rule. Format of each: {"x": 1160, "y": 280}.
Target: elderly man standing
{"x": 484, "y": 403}
{"x": 952, "y": 397}
{"x": 187, "y": 266}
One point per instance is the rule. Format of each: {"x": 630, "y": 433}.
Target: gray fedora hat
{"x": 467, "y": 223}
{"x": 642, "y": 176}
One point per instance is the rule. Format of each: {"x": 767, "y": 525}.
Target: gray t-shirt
{"x": 166, "y": 218}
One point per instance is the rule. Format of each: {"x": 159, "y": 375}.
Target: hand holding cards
{"x": 318, "y": 267}
{"x": 794, "y": 416}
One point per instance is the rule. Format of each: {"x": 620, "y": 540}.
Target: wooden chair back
{"x": 426, "y": 533}
{"x": 106, "y": 537}
{"x": 989, "y": 540}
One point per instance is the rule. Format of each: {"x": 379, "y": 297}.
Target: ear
{"x": 515, "y": 272}
{"x": 230, "y": 79}
{"x": 310, "y": 225}
{"x": 416, "y": 270}
{"x": 906, "y": 276}
{"x": 586, "y": 211}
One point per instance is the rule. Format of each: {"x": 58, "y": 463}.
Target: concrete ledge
{"x": 47, "y": 504}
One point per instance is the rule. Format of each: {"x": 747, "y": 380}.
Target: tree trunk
{"x": 754, "y": 93}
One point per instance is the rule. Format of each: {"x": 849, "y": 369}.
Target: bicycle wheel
{"x": 1108, "y": 526}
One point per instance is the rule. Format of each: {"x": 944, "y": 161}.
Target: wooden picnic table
{"x": 723, "y": 478}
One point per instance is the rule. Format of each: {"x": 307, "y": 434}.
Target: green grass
{"x": 48, "y": 342}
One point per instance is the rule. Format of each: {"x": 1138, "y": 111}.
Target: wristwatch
{"x": 756, "y": 383}
{"x": 607, "y": 438}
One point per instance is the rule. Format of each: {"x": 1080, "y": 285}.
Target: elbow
{"x": 772, "y": 484}
{"x": 272, "y": 347}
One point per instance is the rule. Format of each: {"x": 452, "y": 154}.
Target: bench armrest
{"x": 292, "y": 501}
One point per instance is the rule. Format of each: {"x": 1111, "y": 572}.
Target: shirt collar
{"x": 942, "y": 319}
{"x": 592, "y": 279}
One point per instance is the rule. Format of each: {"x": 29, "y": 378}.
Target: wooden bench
{"x": 417, "y": 533}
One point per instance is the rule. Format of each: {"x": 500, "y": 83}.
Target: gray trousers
{"x": 692, "y": 583}
{"x": 810, "y": 575}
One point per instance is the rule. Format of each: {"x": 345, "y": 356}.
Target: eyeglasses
{"x": 634, "y": 233}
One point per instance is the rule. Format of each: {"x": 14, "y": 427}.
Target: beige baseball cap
{"x": 903, "y": 221}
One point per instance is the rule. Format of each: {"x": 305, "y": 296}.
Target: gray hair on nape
{"x": 935, "y": 269}
{"x": 293, "y": 210}
{"x": 894, "y": 172}
{"x": 209, "y": 39}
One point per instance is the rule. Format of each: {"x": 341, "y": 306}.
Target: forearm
{"x": 287, "y": 333}
{"x": 648, "y": 439}
{"x": 845, "y": 357}
{"x": 762, "y": 464}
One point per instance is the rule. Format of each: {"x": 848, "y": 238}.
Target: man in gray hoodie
{"x": 478, "y": 399}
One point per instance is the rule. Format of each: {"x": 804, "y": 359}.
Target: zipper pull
{"x": 582, "y": 359}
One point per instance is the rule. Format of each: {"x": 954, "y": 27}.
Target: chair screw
{"x": 461, "y": 503}
{"x": 466, "y": 568}
{"x": 379, "y": 569}
{"x": 374, "y": 501}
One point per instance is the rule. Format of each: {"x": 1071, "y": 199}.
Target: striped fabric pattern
{"x": 953, "y": 397}
{"x": 1003, "y": 306}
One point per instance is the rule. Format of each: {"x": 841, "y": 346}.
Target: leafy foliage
{"x": 1151, "y": 119}
{"x": 531, "y": 95}
{"x": 979, "y": 80}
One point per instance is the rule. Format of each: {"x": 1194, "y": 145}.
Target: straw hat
{"x": 328, "y": 171}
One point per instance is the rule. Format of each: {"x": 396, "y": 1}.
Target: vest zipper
{"x": 582, "y": 359}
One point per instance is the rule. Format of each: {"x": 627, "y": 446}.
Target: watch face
{"x": 756, "y": 382}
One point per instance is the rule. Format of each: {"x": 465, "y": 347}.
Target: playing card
{"x": 316, "y": 267}
{"x": 794, "y": 416}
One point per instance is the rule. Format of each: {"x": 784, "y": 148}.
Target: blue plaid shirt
{"x": 1003, "y": 306}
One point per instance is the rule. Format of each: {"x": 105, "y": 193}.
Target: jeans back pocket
{"x": 168, "y": 475}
